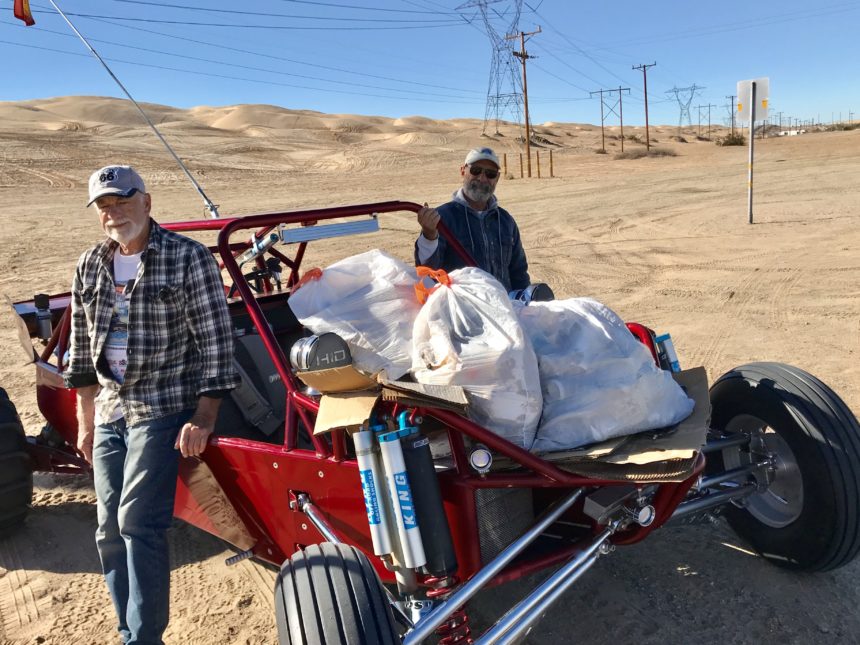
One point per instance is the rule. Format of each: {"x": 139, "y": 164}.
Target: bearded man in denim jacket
{"x": 475, "y": 219}
{"x": 151, "y": 356}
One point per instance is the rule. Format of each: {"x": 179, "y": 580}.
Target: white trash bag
{"x": 598, "y": 381}
{"x": 369, "y": 301}
{"x": 467, "y": 334}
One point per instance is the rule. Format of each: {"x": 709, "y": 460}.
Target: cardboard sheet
{"x": 337, "y": 379}
{"x": 344, "y": 410}
{"x": 348, "y": 396}
{"x": 668, "y": 454}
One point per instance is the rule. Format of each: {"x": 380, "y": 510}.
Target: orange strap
{"x": 422, "y": 291}
{"x": 309, "y": 276}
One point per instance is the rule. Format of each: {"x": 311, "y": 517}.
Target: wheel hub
{"x": 779, "y": 501}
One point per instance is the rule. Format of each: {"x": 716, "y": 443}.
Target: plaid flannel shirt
{"x": 180, "y": 340}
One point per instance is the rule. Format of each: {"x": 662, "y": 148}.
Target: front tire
{"x": 807, "y": 517}
{"x": 329, "y": 594}
{"x": 16, "y": 471}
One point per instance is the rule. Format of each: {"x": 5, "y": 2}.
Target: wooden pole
{"x": 521, "y": 165}
{"x": 505, "y": 162}
{"x": 537, "y": 157}
{"x": 550, "y": 163}
{"x": 523, "y": 56}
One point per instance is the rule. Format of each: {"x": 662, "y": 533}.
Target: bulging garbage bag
{"x": 467, "y": 334}
{"x": 369, "y": 301}
{"x": 597, "y": 380}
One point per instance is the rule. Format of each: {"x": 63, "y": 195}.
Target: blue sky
{"x": 425, "y": 57}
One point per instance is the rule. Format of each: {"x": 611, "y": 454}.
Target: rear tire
{"x": 329, "y": 594}
{"x": 808, "y": 517}
{"x": 16, "y": 470}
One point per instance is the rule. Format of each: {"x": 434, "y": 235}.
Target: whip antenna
{"x": 210, "y": 207}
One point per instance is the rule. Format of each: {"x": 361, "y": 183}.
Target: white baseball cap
{"x": 477, "y": 154}
{"x": 115, "y": 180}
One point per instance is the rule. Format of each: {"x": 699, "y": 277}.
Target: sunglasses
{"x": 489, "y": 173}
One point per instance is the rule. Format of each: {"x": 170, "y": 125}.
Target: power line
{"x": 740, "y": 26}
{"x": 237, "y": 12}
{"x": 262, "y": 69}
{"x": 356, "y": 7}
{"x": 573, "y": 44}
{"x": 232, "y": 78}
{"x": 230, "y": 25}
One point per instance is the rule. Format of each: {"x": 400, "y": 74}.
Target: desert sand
{"x": 662, "y": 240}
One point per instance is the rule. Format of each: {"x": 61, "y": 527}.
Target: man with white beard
{"x": 151, "y": 356}
{"x": 475, "y": 219}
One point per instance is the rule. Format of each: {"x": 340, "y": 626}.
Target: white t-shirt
{"x": 125, "y": 268}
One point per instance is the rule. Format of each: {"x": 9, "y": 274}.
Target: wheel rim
{"x": 782, "y": 502}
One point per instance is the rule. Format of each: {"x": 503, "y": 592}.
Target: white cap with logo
{"x": 478, "y": 154}
{"x": 115, "y": 180}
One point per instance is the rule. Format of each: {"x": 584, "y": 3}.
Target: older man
{"x": 151, "y": 356}
{"x": 474, "y": 217}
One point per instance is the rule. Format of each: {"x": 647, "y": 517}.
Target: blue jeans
{"x": 135, "y": 471}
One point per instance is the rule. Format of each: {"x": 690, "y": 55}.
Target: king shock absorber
{"x": 373, "y": 487}
{"x": 427, "y": 498}
{"x": 405, "y": 518}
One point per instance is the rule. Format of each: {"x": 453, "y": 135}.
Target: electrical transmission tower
{"x": 684, "y": 96}
{"x": 505, "y": 89}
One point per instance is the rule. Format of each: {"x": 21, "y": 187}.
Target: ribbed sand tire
{"x": 16, "y": 474}
{"x": 821, "y": 445}
{"x": 329, "y": 594}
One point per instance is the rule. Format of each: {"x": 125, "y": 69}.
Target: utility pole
{"x": 611, "y": 108}
{"x": 709, "y": 106}
{"x": 621, "y": 91}
{"x": 644, "y": 69}
{"x": 780, "y": 121}
{"x": 733, "y": 97}
{"x": 602, "y": 134}
{"x": 523, "y": 56}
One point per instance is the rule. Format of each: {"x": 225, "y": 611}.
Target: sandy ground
{"x": 664, "y": 241}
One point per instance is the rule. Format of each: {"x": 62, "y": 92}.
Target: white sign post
{"x": 757, "y": 92}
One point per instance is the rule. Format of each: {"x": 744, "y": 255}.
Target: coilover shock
{"x": 456, "y": 630}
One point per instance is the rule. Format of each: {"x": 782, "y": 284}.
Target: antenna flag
{"x": 22, "y": 12}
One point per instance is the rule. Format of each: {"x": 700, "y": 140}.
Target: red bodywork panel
{"x": 258, "y": 480}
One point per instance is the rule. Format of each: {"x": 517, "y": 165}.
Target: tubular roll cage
{"x": 302, "y": 409}
{"x": 300, "y": 406}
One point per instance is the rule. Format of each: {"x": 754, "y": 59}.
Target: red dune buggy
{"x": 381, "y": 538}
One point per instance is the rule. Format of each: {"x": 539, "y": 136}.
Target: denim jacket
{"x": 493, "y": 240}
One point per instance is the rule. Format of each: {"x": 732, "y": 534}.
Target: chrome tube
{"x": 714, "y": 499}
{"x": 734, "y": 473}
{"x": 729, "y": 442}
{"x": 441, "y": 612}
{"x": 306, "y": 507}
{"x": 525, "y": 613}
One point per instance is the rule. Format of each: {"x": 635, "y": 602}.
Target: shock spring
{"x": 456, "y": 630}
